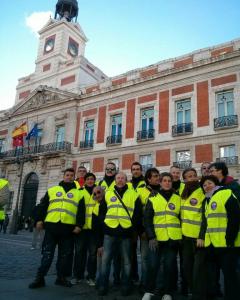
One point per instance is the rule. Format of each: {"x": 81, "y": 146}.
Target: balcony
{"x": 230, "y": 160}
{"x": 182, "y": 129}
{"x": 146, "y": 167}
{"x": 37, "y": 149}
{"x": 145, "y": 135}
{"x": 114, "y": 140}
{"x": 225, "y": 122}
{"x": 86, "y": 144}
{"x": 183, "y": 164}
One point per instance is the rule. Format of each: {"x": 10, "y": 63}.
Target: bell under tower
{"x": 67, "y": 9}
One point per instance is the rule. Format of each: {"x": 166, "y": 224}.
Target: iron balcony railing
{"x": 230, "y": 160}
{"x": 182, "y": 129}
{"x": 146, "y": 167}
{"x": 226, "y": 122}
{"x": 144, "y": 135}
{"x": 86, "y": 144}
{"x": 183, "y": 164}
{"x": 37, "y": 149}
{"x": 114, "y": 140}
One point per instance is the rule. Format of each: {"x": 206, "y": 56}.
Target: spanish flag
{"x": 20, "y": 131}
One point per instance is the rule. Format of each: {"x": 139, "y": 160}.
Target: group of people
{"x": 187, "y": 229}
{"x": 4, "y": 196}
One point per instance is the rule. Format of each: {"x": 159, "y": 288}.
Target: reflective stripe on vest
{"x": 165, "y": 221}
{"x": 89, "y": 205}
{"x": 191, "y": 213}
{"x": 62, "y": 206}
{"x": 216, "y": 215}
{"x": 116, "y": 214}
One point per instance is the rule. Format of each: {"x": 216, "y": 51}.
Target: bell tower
{"x": 67, "y": 9}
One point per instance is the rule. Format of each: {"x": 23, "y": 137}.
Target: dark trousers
{"x": 85, "y": 253}
{"x": 65, "y": 245}
{"x": 167, "y": 252}
{"x": 134, "y": 267}
{"x": 226, "y": 259}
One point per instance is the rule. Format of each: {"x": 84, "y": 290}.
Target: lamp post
{"x": 15, "y": 215}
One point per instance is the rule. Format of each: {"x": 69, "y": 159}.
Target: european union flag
{"x": 33, "y": 132}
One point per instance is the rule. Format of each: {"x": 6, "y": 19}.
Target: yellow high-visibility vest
{"x": 3, "y": 183}
{"x": 77, "y": 184}
{"x": 116, "y": 214}
{"x": 62, "y": 206}
{"x": 166, "y": 217}
{"x": 141, "y": 184}
{"x": 2, "y": 215}
{"x": 104, "y": 185}
{"x": 216, "y": 215}
{"x": 191, "y": 213}
{"x": 90, "y": 203}
{"x": 143, "y": 193}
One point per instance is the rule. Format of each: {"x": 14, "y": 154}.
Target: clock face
{"x": 49, "y": 45}
{"x": 73, "y": 49}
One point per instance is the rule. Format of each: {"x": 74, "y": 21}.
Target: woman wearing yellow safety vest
{"x": 163, "y": 229}
{"x": 222, "y": 238}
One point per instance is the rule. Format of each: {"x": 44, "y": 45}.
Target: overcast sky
{"x": 123, "y": 35}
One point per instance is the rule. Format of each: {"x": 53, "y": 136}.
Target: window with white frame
{"x": 115, "y": 161}
{"x": 225, "y": 105}
{"x": 116, "y": 125}
{"x": 183, "y": 111}
{"x": 2, "y": 145}
{"x": 86, "y": 164}
{"x": 89, "y": 131}
{"x": 146, "y": 161}
{"x": 60, "y": 134}
{"x": 227, "y": 151}
{"x": 147, "y": 119}
{"x": 183, "y": 156}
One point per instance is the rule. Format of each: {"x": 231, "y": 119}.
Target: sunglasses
{"x": 110, "y": 169}
{"x": 96, "y": 193}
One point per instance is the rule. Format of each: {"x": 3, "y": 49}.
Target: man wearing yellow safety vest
{"x": 85, "y": 243}
{"x": 178, "y": 185}
{"x": 4, "y": 197}
{"x": 163, "y": 229}
{"x": 108, "y": 180}
{"x": 191, "y": 218}
{"x": 59, "y": 212}
{"x": 122, "y": 214}
{"x": 221, "y": 225}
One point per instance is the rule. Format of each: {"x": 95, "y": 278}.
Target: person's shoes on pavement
{"x": 37, "y": 283}
{"x": 147, "y": 296}
{"x": 63, "y": 282}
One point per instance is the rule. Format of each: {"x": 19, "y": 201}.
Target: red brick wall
{"x": 182, "y": 89}
{"x": 89, "y": 112}
{"x": 68, "y": 80}
{"x": 130, "y": 118}
{"x": 119, "y": 81}
{"x": 224, "y": 80}
{"x": 98, "y": 164}
{"x": 127, "y": 160}
{"x": 163, "y": 157}
{"x": 183, "y": 62}
{"x": 46, "y": 67}
{"x": 77, "y": 129}
{"x": 147, "y": 98}
{"x": 203, "y": 153}
{"x": 163, "y": 112}
{"x": 24, "y": 94}
{"x": 218, "y": 52}
{"x": 149, "y": 72}
{"x": 101, "y": 124}
{"x": 115, "y": 106}
{"x": 202, "y": 104}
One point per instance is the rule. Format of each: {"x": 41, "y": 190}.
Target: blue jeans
{"x": 111, "y": 245}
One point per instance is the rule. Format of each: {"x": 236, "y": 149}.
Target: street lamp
{"x": 15, "y": 215}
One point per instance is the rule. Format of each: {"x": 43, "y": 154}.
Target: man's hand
{"x": 100, "y": 252}
{"x": 153, "y": 245}
{"x": 77, "y": 230}
{"x": 98, "y": 193}
{"x": 200, "y": 243}
{"x": 39, "y": 225}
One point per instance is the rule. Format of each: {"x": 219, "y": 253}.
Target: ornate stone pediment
{"x": 41, "y": 97}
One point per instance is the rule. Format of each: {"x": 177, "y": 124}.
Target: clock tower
{"x": 60, "y": 60}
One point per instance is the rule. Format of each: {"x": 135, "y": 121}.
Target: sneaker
{"x": 32, "y": 248}
{"x": 147, "y": 296}
{"x": 91, "y": 282}
{"x": 75, "y": 281}
{"x": 37, "y": 283}
{"x": 167, "y": 297}
{"x": 63, "y": 282}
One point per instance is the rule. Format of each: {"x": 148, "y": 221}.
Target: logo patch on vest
{"x": 59, "y": 194}
{"x": 171, "y": 206}
{"x": 193, "y": 201}
{"x": 70, "y": 195}
{"x": 214, "y": 205}
{"x": 113, "y": 199}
